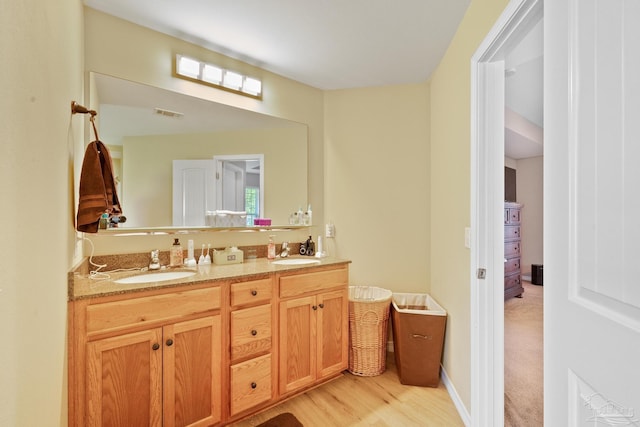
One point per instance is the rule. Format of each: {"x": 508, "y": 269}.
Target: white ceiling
{"x": 327, "y": 44}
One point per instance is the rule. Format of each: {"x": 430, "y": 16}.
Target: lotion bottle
{"x": 271, "y": 248}
{"x": 175, "y": 254}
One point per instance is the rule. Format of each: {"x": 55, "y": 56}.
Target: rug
{"x": 286, "y": 419}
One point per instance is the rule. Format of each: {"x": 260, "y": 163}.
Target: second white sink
{"x": 296, "y": 261}
{"x": 160, "y": 276}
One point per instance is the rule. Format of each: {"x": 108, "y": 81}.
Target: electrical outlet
{"x": 330, "y": 231}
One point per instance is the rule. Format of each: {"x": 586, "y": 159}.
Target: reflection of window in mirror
{"x": 252, "y": 203}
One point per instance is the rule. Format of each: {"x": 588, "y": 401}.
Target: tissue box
{"x": 262, "y": 221}
{"x": 226, "y": 218}
{"x": 228, "y": 256}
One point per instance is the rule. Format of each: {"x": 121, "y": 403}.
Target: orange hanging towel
{"x": 97, "y": 188}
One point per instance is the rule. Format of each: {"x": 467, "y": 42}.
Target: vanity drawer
{"x": 250, "y": 331}
{"x": 300, "y": 284}
{"x": 116, "y": 315}
{"x": 251, "y": 292}
{"x": 250, "y": 383}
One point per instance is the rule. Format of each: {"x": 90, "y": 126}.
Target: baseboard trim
{"x": 453, "y": 393}
{"x": 455, "y": 397}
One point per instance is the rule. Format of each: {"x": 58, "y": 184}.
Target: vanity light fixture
{"x": 211, "y": 75}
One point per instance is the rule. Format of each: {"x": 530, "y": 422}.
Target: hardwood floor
{"x": 368, "y": 401}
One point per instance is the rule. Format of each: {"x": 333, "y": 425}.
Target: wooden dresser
{"x": 512, "y": 245}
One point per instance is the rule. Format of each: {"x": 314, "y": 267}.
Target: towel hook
{"x": 77, "y": 108}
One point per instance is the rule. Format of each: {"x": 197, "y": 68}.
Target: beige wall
{"x": 529, "y": 180}
{"x": 377, "y": 184}
{"x": 41, "y": 73}
{"x": 450, "y": 187}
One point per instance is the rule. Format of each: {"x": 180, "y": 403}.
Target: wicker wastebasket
{"x": 368, "y": 325}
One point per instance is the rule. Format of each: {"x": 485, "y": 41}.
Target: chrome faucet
{"x": 155, "y": 260}
{"x": 284, "y": 251}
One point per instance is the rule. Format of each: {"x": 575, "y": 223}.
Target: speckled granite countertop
{"x": 82, "y": 285}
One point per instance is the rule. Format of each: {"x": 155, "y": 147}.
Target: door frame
{"x": 487, "y": 209}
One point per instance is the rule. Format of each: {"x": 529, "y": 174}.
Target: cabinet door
{"x": 124, "y": 380}
{"x": 192, "y": 372}
{"x": 333, "y": 332}
{"x": 297, "y": 343}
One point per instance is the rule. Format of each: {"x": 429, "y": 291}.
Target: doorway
{"x": 487, "y": 208}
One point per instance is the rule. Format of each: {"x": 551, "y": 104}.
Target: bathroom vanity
{"x": 204, "y": 350}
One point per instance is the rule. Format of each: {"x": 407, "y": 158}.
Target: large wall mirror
{"x": 149, "y": 129}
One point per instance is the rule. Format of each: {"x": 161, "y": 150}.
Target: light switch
{"x": 467, "y": 237}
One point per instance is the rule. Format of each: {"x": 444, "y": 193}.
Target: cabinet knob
{"x": 254, "y": 292}
{"x": 254, "y": 332}
{"x": 314, "y": 307}
{"x": 155, "y": 346}
{"x": 321, "y": 305}
{"x": 254, "y": 385}
{"x": 169, "y": 342}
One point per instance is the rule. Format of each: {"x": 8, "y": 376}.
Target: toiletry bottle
{"x": 175, "y": 254}
{"x": 104, "y": 221}
{"x": 300, "y": 217}
{"x": 271, "y": 248}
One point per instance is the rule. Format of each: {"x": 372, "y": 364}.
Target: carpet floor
{"x": 523, "y": 366}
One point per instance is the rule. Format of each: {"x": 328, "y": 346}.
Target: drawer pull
{"x": 156, "y": 346}
{"x": 169, "y": 342}
{"x": 254, "y": 292}
{"x": 254, "y": 385}
{"x": 254, "y": 332}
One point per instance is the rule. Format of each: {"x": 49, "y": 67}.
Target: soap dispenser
{"x": 271, "y": 248}
{"x": 175, "y": 254}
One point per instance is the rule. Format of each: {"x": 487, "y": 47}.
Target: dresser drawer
{"x": 250, "y": 331}
{"x": 511, "y": 232}
{"x": 251, "y": 292}
{"x": 511, "y": 249}
{"x": 512, "y": 266}
{"x": 250, "y": 383}
{"x": 512, "y": 281}
{"x": 513, "y": 215}
{"x": 116, "y": 315}
{"x": 300, "y": 284}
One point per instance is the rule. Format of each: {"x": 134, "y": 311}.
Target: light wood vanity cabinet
{"x": 206, "y": 354}
{"x": 313, "y": 327}
{"x": 152, "y": 360}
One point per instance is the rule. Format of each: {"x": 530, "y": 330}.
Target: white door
{"x": 230, "y": 188}
{"x": 193, "y": 191}
{"x": 592, "y": 212}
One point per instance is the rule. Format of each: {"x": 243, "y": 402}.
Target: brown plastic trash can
{"x": 418, "y": 323}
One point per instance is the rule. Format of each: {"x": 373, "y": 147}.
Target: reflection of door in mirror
{"x": 193, "y": 191}
{"x": 231, "y": 183}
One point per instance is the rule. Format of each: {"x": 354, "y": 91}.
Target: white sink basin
{"x": 296, "y": 261}
{"x": 155, "y": 277}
